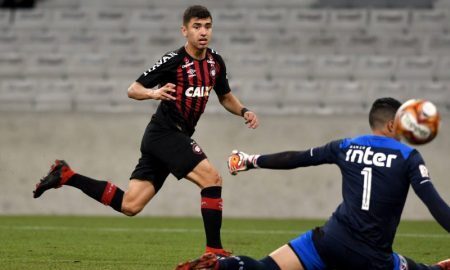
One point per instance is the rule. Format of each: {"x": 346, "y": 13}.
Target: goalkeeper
{"x": 377, "y": 171}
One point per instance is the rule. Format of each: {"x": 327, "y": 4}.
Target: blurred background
{"x": 309, "y": 68}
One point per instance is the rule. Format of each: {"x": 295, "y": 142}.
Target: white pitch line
{"x": 185, "y": 230}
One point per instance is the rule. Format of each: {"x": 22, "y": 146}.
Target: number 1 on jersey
{"x": 367, "y": 173}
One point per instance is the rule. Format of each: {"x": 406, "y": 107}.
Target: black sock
{"x": 211, "y": 205}
{"x": 247, "y": 263}
{"x": 102, "y": 191}
{"x": 412, "y": 265}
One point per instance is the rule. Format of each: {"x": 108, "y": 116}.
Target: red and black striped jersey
{"x": 194, "y": 81}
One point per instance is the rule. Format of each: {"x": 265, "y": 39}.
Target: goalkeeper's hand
{"x": 240, "y": 161}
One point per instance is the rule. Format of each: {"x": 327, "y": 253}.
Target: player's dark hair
{"x": 196, "y": 11}
{"x": 383, "y": 110}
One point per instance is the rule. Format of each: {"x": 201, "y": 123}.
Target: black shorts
{"x": 166, "y": 150}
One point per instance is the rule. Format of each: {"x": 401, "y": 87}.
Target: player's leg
{"x": 138, "y": 194}
{"x": 131, "y": 202}
{"x": 283, "y": 258}
{"x": 402, "y": 262}
{"x": 61, "y": 174}
{"x": 208, "y": 179}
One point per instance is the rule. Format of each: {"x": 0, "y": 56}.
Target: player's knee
{"x": 214, "y": 179}
{"x": 131, "y": 209}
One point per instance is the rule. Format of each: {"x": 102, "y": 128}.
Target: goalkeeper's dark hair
{"x": 196, "y": 11}
{"x": 382, "y": 111}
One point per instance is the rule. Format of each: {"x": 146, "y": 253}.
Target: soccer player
{"x": 185, "y": 78}
{"x": 377, "y": 171}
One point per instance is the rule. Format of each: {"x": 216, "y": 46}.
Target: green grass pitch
{"x": 153, "y": 243}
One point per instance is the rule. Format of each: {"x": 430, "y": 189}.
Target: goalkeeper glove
{"x": 240, "y": 161}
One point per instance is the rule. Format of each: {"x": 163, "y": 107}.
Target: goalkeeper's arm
{"x": 240, "y": 161}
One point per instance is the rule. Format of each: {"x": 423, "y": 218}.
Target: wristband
{"x": 243, "y": 111}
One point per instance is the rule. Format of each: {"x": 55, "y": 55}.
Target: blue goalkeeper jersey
{"x": 376, "y": 174}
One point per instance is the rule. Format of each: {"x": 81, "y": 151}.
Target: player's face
{"x": 198, "y": 32}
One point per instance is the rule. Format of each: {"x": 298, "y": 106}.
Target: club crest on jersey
{"x": 364, "y": 155}
{"x": 196, "y": 148}
{"x": 199, "y": 91}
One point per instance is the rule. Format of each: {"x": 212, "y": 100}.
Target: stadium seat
{"x": 55, "y": 95}
{"x": 50, "y": 65}
{"x": 79, "y": 42}
{"x": 12, "y": 65}
{"x": 434, "y": 91}
{"x": 109, "y": 19}
{"x": 369, "y": 4}
{"x": 359, "y": 43}
{"x": 395, "y": 89}
{"x": 415, "y": 68}
{"x": 88, "y": 65}
{"x": 437, "y": 45}
{"x": 37, "y": 42}
{"x": 287, "y": 43}
{"x": 348, "y": 20}
{"x": 230, "y": 19}
{"x": 254, "y": 66}
{"x": 426, "y": 21}
{"x": 130, "y": 4}
{"x": 307, "y": 20}
{"x": 154, "y": 20}
{"x": 9, "y": 41}
{"x": 443, "y": 67}
{"x": 334, "y": 67}
{"x": 264, "y": 95}
{"x": 160, "y": 44}
{"x": 243, "y": 43}
{"x": 17, "y": 95}
{"x": 293, "y": 66}
{"x": 118, "y": 42}
{"x": 72, "y": 19}
{"x": 345, "y": 97}
{"x": 319, "y": 44}
{"x": 410, "y": 4}
{"x": 4, "y": 19}
{"x": 304, "y": 96}
{"x": 383, "y": 21}
{"x": 373, "y": 68}
{"x": 442, "y": 4}
{"x": 59, "y": 4}
{"x": 128, "y": 66}
{"x": 267, "y": 20}
{"x": 32, "y": 19}
{"x": 95, "y": 96}
{"x": 400, "y": 44}
{"x": 120, "y": 102}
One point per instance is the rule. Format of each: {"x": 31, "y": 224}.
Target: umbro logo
{"x": 191, "y": 73}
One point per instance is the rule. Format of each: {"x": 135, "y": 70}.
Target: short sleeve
{"x": 159, "y": 71}
{"x": 417, "y": 171}
{"x": 222, "y": 86}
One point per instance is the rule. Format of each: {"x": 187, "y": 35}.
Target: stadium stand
{"x": 337, "y": 46}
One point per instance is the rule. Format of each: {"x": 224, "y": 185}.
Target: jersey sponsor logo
{"x": 364, "y": 155}
{"x": 199, "y": 91}
{"x": 161, "y": 61}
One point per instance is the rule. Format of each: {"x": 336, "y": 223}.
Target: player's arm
{"x": 240, "y": 161}
{"x": 232, "y": 104}
{"x": 438, "y": 208}
{"x": 424, "y": 188}
{"x": 139, "y": 92}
